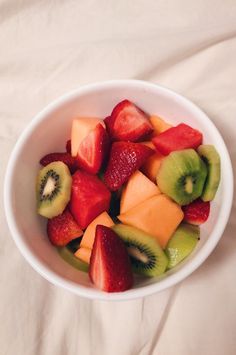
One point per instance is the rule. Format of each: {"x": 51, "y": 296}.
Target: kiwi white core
{"x": 188, "y": 185}
{"x": 49, "y": 186}
{"x": 135, "y": 253}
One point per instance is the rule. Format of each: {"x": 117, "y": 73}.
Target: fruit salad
{"x": 128, "y": 195}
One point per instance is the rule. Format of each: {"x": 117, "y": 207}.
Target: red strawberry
{"x": 110, "y": 267}
{"x": 177, "y": 138}
{"x": 68, "y": 146}
{"x": 196, "y": 212}
{"x": 64, "y": 157}
{"x": 62, "y": 229}
{"x": 128, "y": 123}
{"x": 93, "y": 150}
{"x": 89, "y": 198}
{"x": 125, "y": 158}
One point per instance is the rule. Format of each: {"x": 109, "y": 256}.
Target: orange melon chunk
{"x": 158, "y": 216}
{"x": 84, "y": 254}
{"x": 81, "y": 127}
{"x": 89, "y": 234}
{"x": 152, "y": 165}
{"x": 138, "y": 189}
{"x": 159, "y": 125}
{"x": 149, "y": 144}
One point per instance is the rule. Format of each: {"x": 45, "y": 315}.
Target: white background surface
{"x": 50, "y": 47}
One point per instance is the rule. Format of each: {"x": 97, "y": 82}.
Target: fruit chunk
{"x": 84, "y": 254}
{"x": 151, "y": 167}
{"x": 66, "y": 158}
{"x": 110, "y": 267}
{"x": 138, "y": 189}
{"x": 93, "y": 150}
{"x": 196, "y": 212}
{"x": 159, "y": 125}
{"x": 157, "y": 216}
{"x": 89, "y": 198}
{"x": 62, "y": 229}
{"x": 125, "y": 159}
{"x": 128, "y": 123}
{"x": 53, "y": 189}
{"x": 89, "y": 235}
{"x": 177, "y": 138}
{"x": 81, "y": 127}
{"x": 182, "y": 243}
{"x": 182, "y": 176}
{"x": 68, "y": 146}
{"x": 212, "y": 159}
{"x": 146, "y": 255}
{"x": 69, "y": 257}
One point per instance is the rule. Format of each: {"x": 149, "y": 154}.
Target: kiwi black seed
{"x": 146, "y": 255}
{"x": 53, "y": 189}
{"x": 182, "y": 175}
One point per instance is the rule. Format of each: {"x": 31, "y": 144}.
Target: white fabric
{"x": 50, "y": 47}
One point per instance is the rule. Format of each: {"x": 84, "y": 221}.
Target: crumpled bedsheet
{"x": 50, "y": 47}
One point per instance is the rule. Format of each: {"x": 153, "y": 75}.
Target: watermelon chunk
{"x": 177, "y": 138}
{"x": 89, "y": 198}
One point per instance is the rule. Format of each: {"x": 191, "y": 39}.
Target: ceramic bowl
{"x": 49, "y": 131}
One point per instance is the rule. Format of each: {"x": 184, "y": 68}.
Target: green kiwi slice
{"x": 69, "y": 257}
{"x": 146, "y": 255}
{"x": 182, "y": 175}
{"x": 182, "y": 243}
{"x": 53, "y": 189}
{"x": 211, "y": 158}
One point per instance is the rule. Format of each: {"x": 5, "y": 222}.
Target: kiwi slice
{"x": 69, "y": 257}
{"x": 146, "y": 255}
{"x": 182, "y": 175}
{"x": 53, "y": 189}
{"x": 182, "y": 243}
{"x": 212, "y": 160}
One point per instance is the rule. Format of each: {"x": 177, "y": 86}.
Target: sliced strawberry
{"x": 89, "y": 198}
{"x": 68, "y": 146}
{"x": 110, "y": 267}
{"x": 62, "y": 229}
{"x": 125, "y": 158}
{"x": 196, "y": 212}
{"x": 66, "y": 158}
{"x": 128, "y": 123}
{"x": 177, "y": 138}
{"x": 93, "y": 150}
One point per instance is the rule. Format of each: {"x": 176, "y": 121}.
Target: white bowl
{"x": 49, "y": 131}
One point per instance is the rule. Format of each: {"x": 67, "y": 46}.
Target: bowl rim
{"x": 93, "y": 293}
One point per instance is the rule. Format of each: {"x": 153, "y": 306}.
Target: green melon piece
{"x": 182, "y": 243}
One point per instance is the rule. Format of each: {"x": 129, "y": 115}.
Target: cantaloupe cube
{"x": 159, "y": 125}
{"x": 138, "y": 189}
{"x": 152, "y": 165}
{"x": 149, "y": 144}
{"x": 84, "y": 254}
{"x": 81, "y": 127}
{"x": 89, "y": 234}
{"x": 158, "y": 216}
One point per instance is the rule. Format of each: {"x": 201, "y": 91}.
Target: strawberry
{"x": 93, "y": 150}
{"x": 68, "y": 146}
{"x": 64, "y": 157}
{"x": 177, "y": 138}
{"x": 89, "y": 198}
{"x": 62, "y": 229}
{"x": 125, "y": 158}
{"x": 128, "y": 122}
{"x": 196, "y": 212}
{"x": 110, "y": 267}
